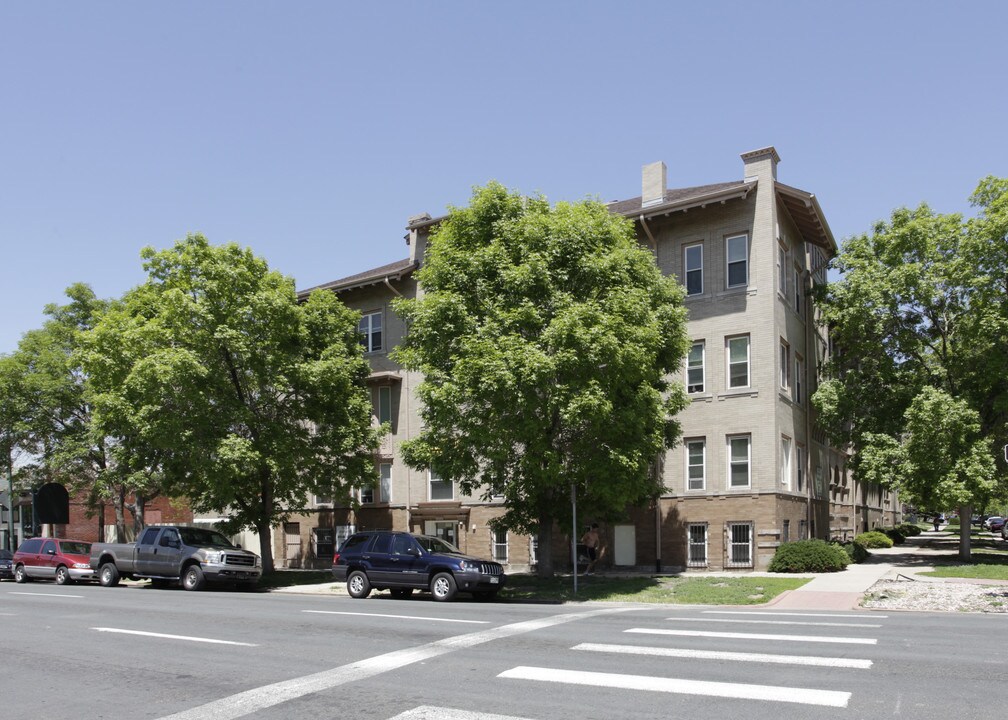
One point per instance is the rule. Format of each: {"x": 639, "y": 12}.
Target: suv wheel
{"x": 357, "y": 585}
{"x": 443, "y": 587}
{"x": 20, "y": 575}
{"x": 62, "y": 575}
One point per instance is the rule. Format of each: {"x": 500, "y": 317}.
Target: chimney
{"x": 761, "y": 163}
{"x": 653, "y": 184}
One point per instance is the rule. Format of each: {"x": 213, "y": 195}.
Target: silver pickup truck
{"x": 170, "y": 553}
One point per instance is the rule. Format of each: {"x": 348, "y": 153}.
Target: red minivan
{"x": 53, "y": 559}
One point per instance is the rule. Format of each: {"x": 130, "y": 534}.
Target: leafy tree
{"x": 239, "y": 397}
{"x": 545, "y": 336}
{"x": 919, "y": 383}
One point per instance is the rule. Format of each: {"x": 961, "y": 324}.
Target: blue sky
{"x": 310, "y": 132}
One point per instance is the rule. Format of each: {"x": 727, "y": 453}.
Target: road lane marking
{"x": 730, "y": 656}
{"x": 55, "y": 595}
{"x": 260, "y": 698}
{"x": 774, "y": 622}
{"x": 837, "y": 616}
{"x": 740, "y": 691}
{"x": 429, "y": 712}
{"x": 755, "y": 636}
{"x": 399, "y": 617}
{"x": 173, "y": 637}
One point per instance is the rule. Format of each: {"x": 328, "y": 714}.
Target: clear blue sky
{"x": 310, "y": 132}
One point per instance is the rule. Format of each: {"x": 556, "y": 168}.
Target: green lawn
{"x": 985, "y": 566}
{"x": 678, "y": 590}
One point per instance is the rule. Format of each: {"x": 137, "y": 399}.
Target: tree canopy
{"x": 545, "y": 336}
{"x": 236, "y": 396}
{"x": 919, "y": 382}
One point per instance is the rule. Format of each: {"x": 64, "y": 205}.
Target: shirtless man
{"x": 591, "y": 542}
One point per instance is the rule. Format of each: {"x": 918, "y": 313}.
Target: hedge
{"x": 874, "y": 539}
{"x": 808, "y": 556}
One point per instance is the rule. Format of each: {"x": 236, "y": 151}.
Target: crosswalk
{"x": 712, "y": 639}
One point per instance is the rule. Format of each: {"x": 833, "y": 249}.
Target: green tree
{"x": 545, "y": 336}
{"x": 918, "y": 385}
{"x": 239, "y": 397}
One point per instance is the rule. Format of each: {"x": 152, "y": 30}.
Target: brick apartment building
{"x": 753, "y": 469}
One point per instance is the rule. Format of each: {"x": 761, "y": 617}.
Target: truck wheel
{"x": 357, "y": 585}
{"x": 62, "y": 575}
{"x": 20, "y": 575}
{"x": 193, "y": 578}
{"x": 443, "y": 587}
{"x": 108, "y": 575}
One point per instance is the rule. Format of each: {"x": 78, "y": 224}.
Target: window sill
{"x": 738, "y": 392}
{"x": 747, "y": 290}
{"x": 701, "y": 397}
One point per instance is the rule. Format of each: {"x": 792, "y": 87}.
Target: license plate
{"x": 494, "y": 581}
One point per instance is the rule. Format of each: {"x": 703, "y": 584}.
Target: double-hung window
{"x": 370, "y": 329}
{"x": 500, "y": 546}
{"x": 799, "y": 377}
{"x": 440, "y": 489}
{"x": 696, "y": 464}
{"x": 367, "y": 495}
{"x": 738, "y": 361}
{"x": 738, "y": 461}
{"x": 693, "y": 269}
{"x": 800, "y": 467}
{"x": 785, "y": 366}
{"x": 785, "y": 462}
{"x": 737, "y": 256}
{"x": 384, "y": 404}
{"x": 385, "y": 481}
{"x": 782, "y": 270}
{"x": 799, "y": 293}
{"x": 695, "y": 368}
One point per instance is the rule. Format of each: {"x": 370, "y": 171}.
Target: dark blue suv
{"x": 403, "y": 562}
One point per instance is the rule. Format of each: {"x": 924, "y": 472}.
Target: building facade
{"x": 752, "y": 469}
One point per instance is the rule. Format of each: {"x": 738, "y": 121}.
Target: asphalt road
{"x": 84, "y": 651}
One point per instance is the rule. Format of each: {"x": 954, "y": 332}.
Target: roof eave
{"x": 719, "y": 196}
{"x": 823, "y": 237}
{"x": 339, "y": 287}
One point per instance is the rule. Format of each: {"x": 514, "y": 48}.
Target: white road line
{"x": 773, "y": 622}
{"x": 55, "y": 595}
{"x": 429, "y": 712}
{"x": 399, "y": 617}
{"x": 803, "y": 696}
{"x": 173, "y": 637}
{"x": 256, "y": 699}
{"x": 731, "y": 656}
{"x": 755, "y": 636}
{"x": 838, "y": 616}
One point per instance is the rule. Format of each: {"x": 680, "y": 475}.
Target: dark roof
{"x": 677, "y": 197}
{"x": 393, "y": 271}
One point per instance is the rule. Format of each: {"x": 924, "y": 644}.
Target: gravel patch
{"x": 939, "y": 596}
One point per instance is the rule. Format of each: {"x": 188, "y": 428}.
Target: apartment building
{"x": 752, "y": 469}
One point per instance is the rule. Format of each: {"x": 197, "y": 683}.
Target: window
{"x": 738, "y": 361}
{"x": 786, "y": 531}
{"x": 370, "y": 328}
{"x": 385, "y": 404}
{"x": 323, "y": 500}
{"x": 385, "y": 481}
{"x": 785, "y": 366}
{"x": 695, "y": 368}
{"x": 802, "y": 530}
{"x": 782, "y": 270}
{"x": 696, "y": 534}
{"x": 799, "y": 294}
{"x": 696, "y": 456}
{"x": 785, "y": 464}
{"x": 500, "y": 546}
{"x": 440, "y": 489}
{"x": 738, "y": 461}
{"x": 693, "y": 264}
{"x": 799, "y": 376}
{"x": 738, "y": 260}
{"x": 402, "y": 544}
{"x": 367, "y": 495}
{"x": 167, "y": 537}
{"x": 149, "y": 536}
{"x": 739, "y": 545}
{"x": 800, "y": 466}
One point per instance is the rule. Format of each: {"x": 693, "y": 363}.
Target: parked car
{"x": 58, "y": 559}
{"x": 6, "y": 565}
{"x": 403, "y": 562}
{"x": 995, "y": 524}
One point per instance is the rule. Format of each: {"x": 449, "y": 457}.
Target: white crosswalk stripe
{"x": 755, "y": 636}
{"x": 430, "y": 712}
{"x": 775, "y": 622}
{"x": 728, "y": 656}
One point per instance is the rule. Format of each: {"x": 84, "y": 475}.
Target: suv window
{"x": 30, "y": 546}
{"x": 49, "y": 547}
{"x": 355, "y": 541}
{"x": 382, "y": 544}
{"x": 402, "y": 544}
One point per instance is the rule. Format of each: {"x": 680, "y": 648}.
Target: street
{"x": 83, "y": 651}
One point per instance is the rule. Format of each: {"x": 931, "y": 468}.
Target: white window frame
{"x": 688, "y": 445}
{"x": 798, "y": 291}
{"x": 782, "y": 268}
{"x": 785, "y": 467}
{"x": 369, "y": 498}
{"x": 733, "y": 462}
{"x": 433, "y": 478}
{"x": 688, "y": 270}
{"x": 799, "y": 371}
{"x": 385, "y": 482}
{"x": 691, "y": 387}
{"x": 728, "y": 358}
{"x": 697, "y": 544}
{"x": 384, "y": 404}
{"x": 744, "y": 260}
{"x": 785, "y": 366}
{"x": 371, "y": 329}
{"x": 735, "y": 543}
{"x": 499, "y": 549}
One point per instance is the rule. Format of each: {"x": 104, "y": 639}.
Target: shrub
{"x": 808, "y": 556}
{"x": 896, "y": 535}
{"x": 910, "y": 530}
{"x": 855, "y": 552}
{"x": 874, "y": 539}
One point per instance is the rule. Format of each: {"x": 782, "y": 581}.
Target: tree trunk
{"x": 263, "y": 521}
{"x": 139, "y": 507}
{"x": 965, "y": 524}
{"x": 119, "y": 503}
{"x": 544, "y": 553}
{"x": 265, "y": 546}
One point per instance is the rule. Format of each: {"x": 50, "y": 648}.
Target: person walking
{"x": 591, "y": 542}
